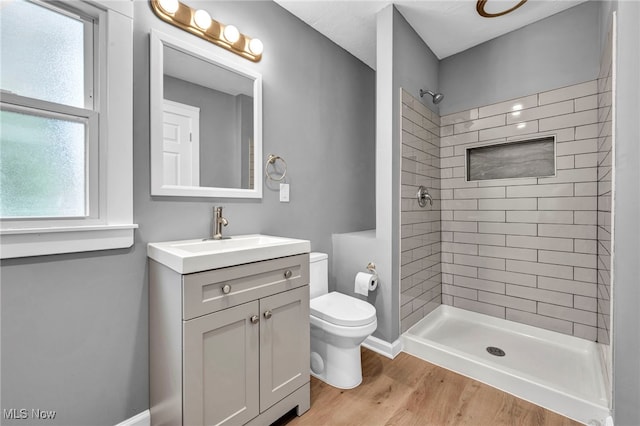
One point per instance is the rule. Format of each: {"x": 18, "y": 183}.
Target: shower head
{"x": 437, "y": 97}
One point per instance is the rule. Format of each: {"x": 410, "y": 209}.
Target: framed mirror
{"x": 206, "y": 123}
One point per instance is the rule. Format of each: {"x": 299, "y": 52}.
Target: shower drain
{"x": 495, "y": 351}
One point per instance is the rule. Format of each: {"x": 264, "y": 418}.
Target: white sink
{"x": 190, "y": 256}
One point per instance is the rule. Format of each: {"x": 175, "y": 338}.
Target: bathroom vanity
{"x": 228, "y": 344}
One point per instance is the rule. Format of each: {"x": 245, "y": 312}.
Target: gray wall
{"x": 74, "y": 327}
{"x": 551, "y": 53}
{"x": 626, "y": 263}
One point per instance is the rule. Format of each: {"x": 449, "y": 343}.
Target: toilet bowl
{"x": 339, "y": 324}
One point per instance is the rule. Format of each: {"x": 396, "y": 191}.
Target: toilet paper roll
{"x": 365, "y": 282}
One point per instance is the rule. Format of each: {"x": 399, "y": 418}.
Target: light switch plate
{"x": 284, "y": 192}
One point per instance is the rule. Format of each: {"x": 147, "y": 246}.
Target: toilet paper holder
{"x": 371, "y": 267}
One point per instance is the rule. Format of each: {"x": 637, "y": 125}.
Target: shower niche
{"x": 508, "y": 160}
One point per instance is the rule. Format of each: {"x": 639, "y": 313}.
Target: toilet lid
{"x": 340, "y": 309}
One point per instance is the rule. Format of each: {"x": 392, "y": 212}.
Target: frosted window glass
{"x": 42, "y": 53}
{"x": 42, "y": 166}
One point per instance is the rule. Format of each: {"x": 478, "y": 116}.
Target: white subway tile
{"x": 457, "y": 183}
{"x": 461, "y": 139}
{"x": 448, "y": 225}
{"x": 508, "y": 204}
{"x": 585, "y": 274}
{"x": 460, "y": 248}
{"x": 487, "y": 239}
{"x": 535, "y": 320}
{"x": 507, "y": 277}
{"x": 585, "y": 217}
{"x": 561, "y": 244}
{"x": 586, "y": 160}
{"x": 479, "y": 215}
{"x": 459, "y": 204}
{"x": 575, "y": 315}
{"x": 508, "y": 106}
{"x": 568, "y": 286}
{"x": 564, "y": 258}
{"x": 446, "y": 258}
{"x": 567, "y": 231}
{"x": 545, "y": 111}
{"x": 587, "y": 102}
{"x": 577, "y": 147}
{"x": 508, "y": 182}
{"x": 507, "y": 301}
{"x": 508, "y": 253}
{"x": 508, "y": 228}
{"x": 482, "y": 308}
{"x": 586, "y": 246}
{"x": 473, "y": 193}
{"x": 565, "y": 162}
{"x": 509, "y": 130}
{"x": 540, "y": 217}
{"x": 447, "y": 300}
{"x": 446, "y": 130}
{"x": 540, "y": 269}
{"x": 540, "y": 295}
{"x": 572, "y": 175}
{"x": 552, "y": 190}
{"x": 459, "y": 117}
{"x": 569, "y": 92}
{"x": 452, "y": 161}
{"x": 585, "y": 303}
{"x": 585, "y": 189}
{"x": 568, "y": 203}
{"x": 446, "y": 151}
{"x": 491, "y": 286}
{"x": 581, "y": 118}
{"x": 484, "y": 262}
{"x": 585, "y": 332}
{"x": 458, "y": 291}
{"x": 587, "y": 131}
{"x": 565, "y": 135}
{"x": 459, "y": 270}
{"x": 479, "y": 124}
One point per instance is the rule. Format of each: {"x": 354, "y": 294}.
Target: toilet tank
{"x": 318, "y": 274}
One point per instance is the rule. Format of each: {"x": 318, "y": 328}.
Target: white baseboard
{"x": 142, "y": 419}
{"x": 390, "y": 350}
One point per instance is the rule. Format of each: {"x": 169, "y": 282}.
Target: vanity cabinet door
{"x": 284, "y": 344}
{"x": 221, "y": 356}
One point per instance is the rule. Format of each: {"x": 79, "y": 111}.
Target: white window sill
{"x": 57, "y": 240}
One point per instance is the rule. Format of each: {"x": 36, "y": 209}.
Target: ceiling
{"x": 447, "y": 27}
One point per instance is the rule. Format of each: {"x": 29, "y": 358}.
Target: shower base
{"x": 558, "y": 372}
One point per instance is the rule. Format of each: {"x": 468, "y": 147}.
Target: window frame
{"x": 109, "y": 221}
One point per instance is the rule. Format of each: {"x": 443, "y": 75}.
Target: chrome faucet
{"x": 218, "y": 223}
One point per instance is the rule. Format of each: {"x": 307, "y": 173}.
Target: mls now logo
{"x": 23, "y": 413}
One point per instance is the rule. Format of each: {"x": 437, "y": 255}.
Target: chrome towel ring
{"x": 272, "y": 161}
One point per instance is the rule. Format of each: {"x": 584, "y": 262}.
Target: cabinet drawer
{"x": 223, "y": 288}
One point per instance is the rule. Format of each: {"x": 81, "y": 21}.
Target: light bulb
{"x": 256, "y": 47}
{"x": 169, "y": 6}
{"x": 202, "y": 19}
{"x": 231, "y": 34}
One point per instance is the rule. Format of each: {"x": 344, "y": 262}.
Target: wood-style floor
{"x": 410, "y": 391}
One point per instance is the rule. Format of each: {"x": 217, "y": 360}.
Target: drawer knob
{"x": 255, "y": 319}
{"x": 226, "y": 289}
{"x": 268, "y": 314}
{"x": 288, "y": 273}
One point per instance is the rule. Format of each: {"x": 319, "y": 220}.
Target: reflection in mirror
{"x": 205, "y": 123}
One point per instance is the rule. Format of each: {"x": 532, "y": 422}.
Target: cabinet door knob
{"x": 255, "y": 319}
{"x": 288, "y": 273}
{"x": 268, "y": 314}
{"x": 226, "y": 289}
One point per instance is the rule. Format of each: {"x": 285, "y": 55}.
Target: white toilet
{"x": 339, "y": 324}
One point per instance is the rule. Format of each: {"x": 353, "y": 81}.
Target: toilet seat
{"x": 342, "y": 310}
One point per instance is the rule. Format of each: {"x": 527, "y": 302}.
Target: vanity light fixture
{"x": 200, "y": 23}
{"x": 480, "y": 8}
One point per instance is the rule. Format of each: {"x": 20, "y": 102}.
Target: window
{"x": 65, "y": 152}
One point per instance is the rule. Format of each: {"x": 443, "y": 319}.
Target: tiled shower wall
{"x": 524, "y": 249}
{"x": 605, "y": 157}
{"x": 420, "y": 285}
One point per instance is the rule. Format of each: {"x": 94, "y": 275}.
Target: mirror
{"x": 206, "y": 123}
